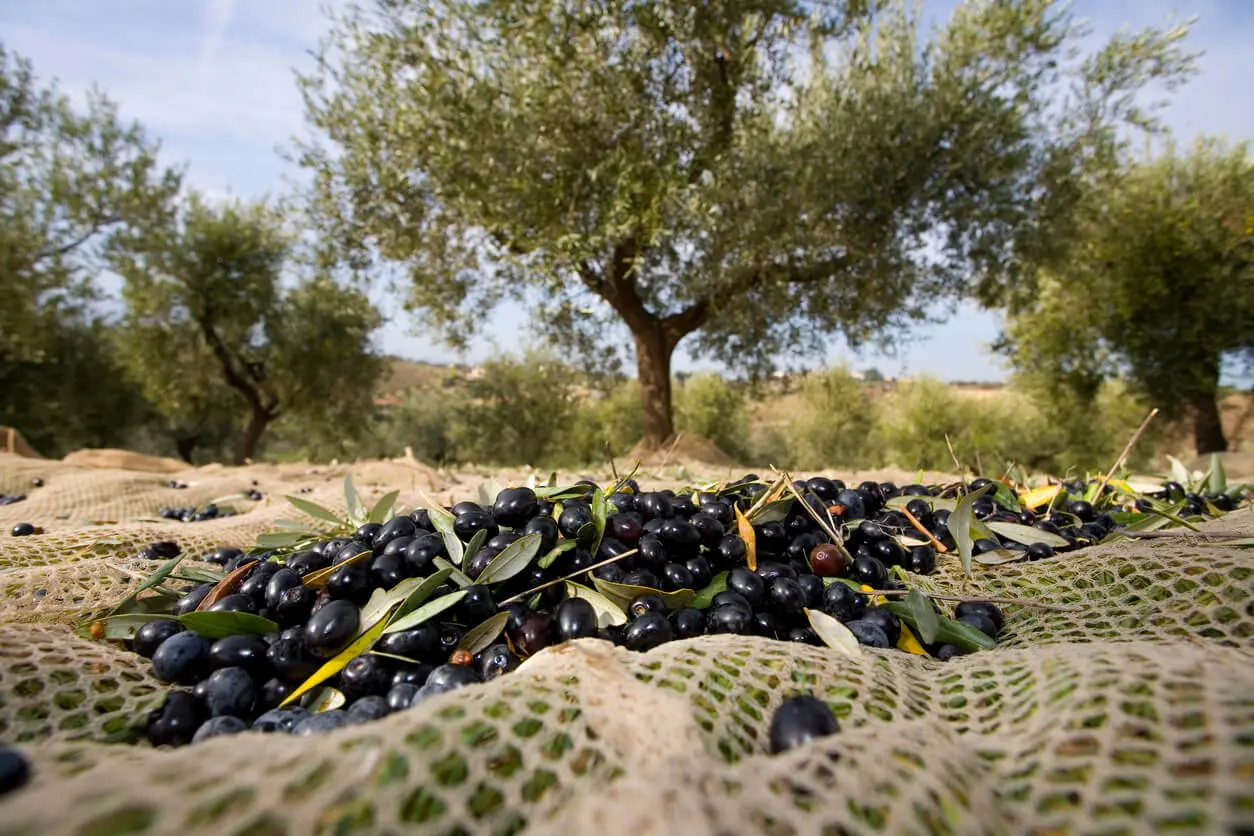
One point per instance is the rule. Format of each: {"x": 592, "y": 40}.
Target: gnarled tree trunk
{"x": 1208, "y": 428}
{"x": 653, "y": 367}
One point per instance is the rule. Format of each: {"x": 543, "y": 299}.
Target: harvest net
{"x": 1128, "y": 708}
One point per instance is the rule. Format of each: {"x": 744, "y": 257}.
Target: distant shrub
{"x": 708, "y": 406}
{"x": 833, "y": 427}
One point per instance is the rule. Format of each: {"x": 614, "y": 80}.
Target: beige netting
{"x": 1130, "y": 711}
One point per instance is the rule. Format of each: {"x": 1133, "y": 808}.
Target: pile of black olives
{"x": 656, "y": 544}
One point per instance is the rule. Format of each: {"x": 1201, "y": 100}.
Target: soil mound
{"x": 683, "y": 449}
{"x": 125, "y": 460}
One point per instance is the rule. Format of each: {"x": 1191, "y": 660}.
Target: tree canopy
{"x": 70, "y": 179}
{"x": 213, "y": 335}
{"x": 1157, "y": 282}
{"x": 761, "y": 175}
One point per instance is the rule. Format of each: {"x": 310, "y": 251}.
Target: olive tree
{"x": 211, "y": 330}
{"x": 757, "y": 177}
{"x": 70, "y": 179}
{"x": 1157, "y": 282}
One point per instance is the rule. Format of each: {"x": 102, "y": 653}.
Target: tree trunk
{"x": 1208, "y": 428}
{"x": 185, "y": 446}
{"x": 258, "y": 420}
{"x": 653, "y": 367}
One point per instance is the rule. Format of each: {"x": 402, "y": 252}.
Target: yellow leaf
{"x": 751, "y": 541}
{"x": 907, "y": 642}
{"x": 318, "y": 579}
{"x": 1040, "y": 496}
{"x": 330, "y": 669}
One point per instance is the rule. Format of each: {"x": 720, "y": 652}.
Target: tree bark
{"x": 653, "y": 369}
{"x": 1208, "y": 428}
{"x": 185, "y": 446}
{"x": 258, "y": 420}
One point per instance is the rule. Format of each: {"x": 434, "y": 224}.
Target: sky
{"x": 214, "y": 80}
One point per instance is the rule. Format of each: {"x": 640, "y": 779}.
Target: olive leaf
{"x": 456, "y": 576}
{"x": 324, "y": 698}
{"x": 155, "y": 579}
{"x": 280, "y": 539}
{"x": 315, "y": 510}
{"x": 379, "y": 513}
{"x": 960, "y": 525}
{"x": 423, "y": 589}
{"x": 1026, "y": 534}
{"x": 1005, "y": 497}
{"x": 937, "y": 503}
{"x": 359, "y": 646}
{"x": 608, "y": 613}
{"x": 834, "y": 634}
{"x": 1218, "y": 479}
{"x": 623, "y": 594}
{"x": 948, "y": 631}
{"x": 925, "y": 618}
{"x": 480, "y": 637}
{"x": 227, "y": 586}
{"x": 443, "y": 521}
{"x": 599, "y": 514}
{"x": 318, "y": 579}
{"x": 1179, "y": 473}
{"x": 747, "y": 534}
{"x": 513, "y": 559}
{"x": 126, "y": 626}
{"x": 999, "y": 557}
{"x": 217, "y": 625}
{"x": 776, "y": 511}
{"x": 705, "y": 596}
{"x": 351, "y": 498}
{"x": 424, "y": 613}
{"x": 476, "y": 543}
{"x": 556, "y": 552}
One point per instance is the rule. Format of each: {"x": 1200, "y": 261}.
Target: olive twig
{"x": 571, "y": 576}
{"x": 1018, "y": 602}
{"x": 1136, "y": 436}
{"x": 940, "y": 547}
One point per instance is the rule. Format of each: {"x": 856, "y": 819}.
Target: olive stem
{"x": 1018, "y": 602}
{"x": 940, "y": 547}
{"x": 1136, "y": 436}
{"x": 546, "y": 585}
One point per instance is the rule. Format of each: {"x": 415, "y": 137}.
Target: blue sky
{"x": 214, "y": 80}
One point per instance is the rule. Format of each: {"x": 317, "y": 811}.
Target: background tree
{"x": 70, "y": 180}
{"x": 763, "y": 175}
{"x": 1158, "y": 281}
{"x": 210, "y": 330}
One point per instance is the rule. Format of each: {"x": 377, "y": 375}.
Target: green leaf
{"x": 960, "y": 521}
{"x": 556, "y": 552}
{"x": 480, "y": 637}
{"x": 280, "y": 539}
{"x": 705, "y": 597}
{"x": 476, "y": 543}
{"x": 513, "y": 559}
{"x": 359, "y": 646}
{"x": 599, "y": 514}
{"x": 352, "y": 499}
{"x": 1218, "y": 479}
{"x": 937, "y": 503}
{"x": 608, "y": 613}
{"x": 1026, "y": 534}
{"x": 776, "y": 511}
{"x": 926, "y": 619}
{"x": 426, "y": 612}
{"x": 421, "y": 591}
{"x": 315, "y": 510}
{"x": 195, "y": 574}
{"x": 126, "y": 626}
{"x": 379, "y": 513}
{"x": 218, "y": 624}
{"x": 948, "y": 631}
{"x": 998, "y": 557}
{"x": 834, "y": 634}
{"x": 623, "y": 594}
{"x": 1179, "y": 473}
{"x": 443, "y": 522}
{"x": 1005, "y": 497}
{"x": 457, "y": 576}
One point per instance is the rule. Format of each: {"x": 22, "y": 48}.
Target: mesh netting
{"x": 1127, "y": 708}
